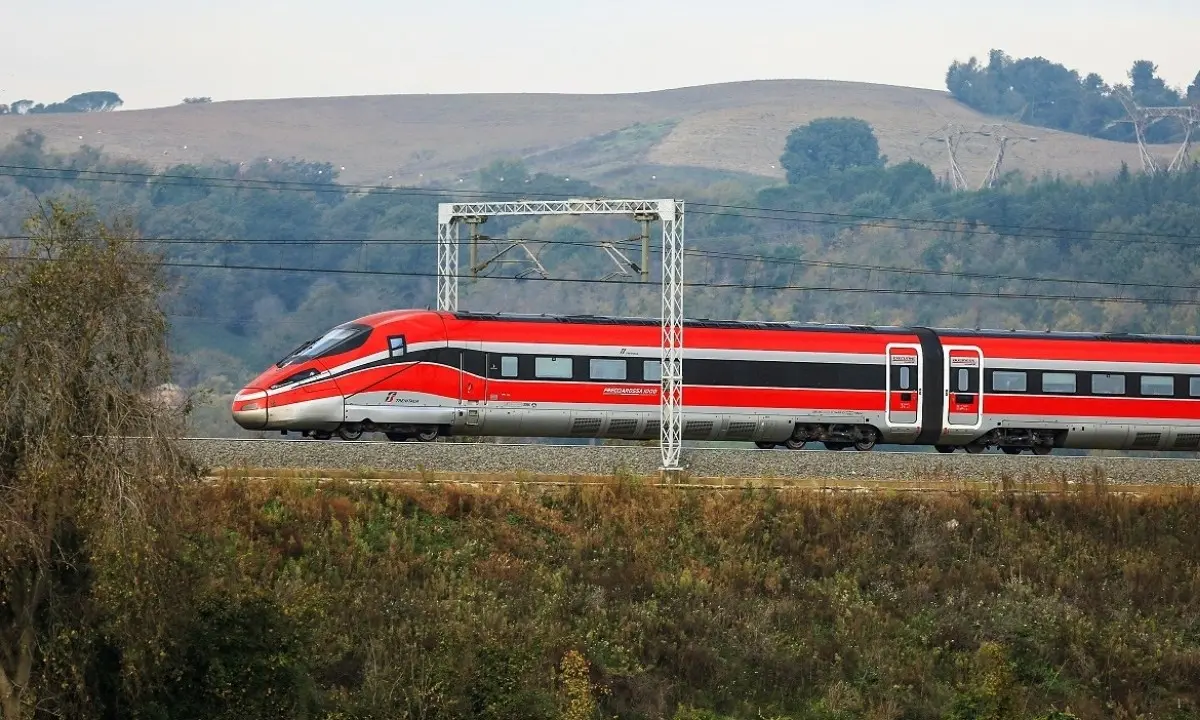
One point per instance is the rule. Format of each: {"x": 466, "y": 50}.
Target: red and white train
{"x": 424, "y": 374}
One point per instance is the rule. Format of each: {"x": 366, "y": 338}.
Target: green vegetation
{"x": 340, "y": 601}
{"x": 1039, "y": 92}
{"x": 94, "y": 101}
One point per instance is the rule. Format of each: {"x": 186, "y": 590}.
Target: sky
{"x": 156, "y": 52}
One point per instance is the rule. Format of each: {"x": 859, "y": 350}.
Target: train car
{"x": 423, "y": 374}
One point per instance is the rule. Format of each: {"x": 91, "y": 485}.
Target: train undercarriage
{"x": 1011, "y": 441}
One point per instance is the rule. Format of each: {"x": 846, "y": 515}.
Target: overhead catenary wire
{"x": 788, "y": 214}
{"x": 744, "y": 211}
{"x": 695, "y": 252}
{"x": 1194, "y": 301}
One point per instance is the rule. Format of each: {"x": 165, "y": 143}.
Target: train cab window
{"x": 559, "y": 368}
{"x": 1158, "y": 385}
{"x": 607, "y": 369}
{"x": 1056, "y": 382}
{"x": 1194, "y": 386}
{"x": 396, "y": 346}
{"x": 508, "y": 366}
{"x": 1009, "y": 381}
{"x": 1108, "y": 384}
{"x": 905, "y": 378}
{"x": 652, "y": 371}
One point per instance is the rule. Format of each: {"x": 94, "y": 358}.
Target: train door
{"x": 903, "y": 385}
{"x": 472, "y": 379}
{"x": 963, "y": 407}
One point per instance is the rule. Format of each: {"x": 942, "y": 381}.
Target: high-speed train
{"x": 425, "y": 374}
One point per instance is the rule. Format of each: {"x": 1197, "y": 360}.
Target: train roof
{"x": 832, "y": 327}
{"x": 690, "y": 322}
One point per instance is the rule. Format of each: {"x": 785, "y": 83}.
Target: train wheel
{"x": 795, "y": 443}
{"x": 974, "y": 449}
{"x": 867, "y": 442}
{"x": 944, "y": 448}
{"x": 322, "y": 436}
{"x": 1010, "y": 450}
{"x": 428, "y": 434}
{"x": 350, "y": 432}
{"x": 1042, "y": 449}
{"x": 764, "y": 444}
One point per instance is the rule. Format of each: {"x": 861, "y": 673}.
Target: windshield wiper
{"x": 294, "y": 353}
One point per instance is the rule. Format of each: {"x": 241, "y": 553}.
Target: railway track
{"x": 529, "y": 461}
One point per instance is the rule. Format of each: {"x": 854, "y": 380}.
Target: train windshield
{"x": 338, "y": 340}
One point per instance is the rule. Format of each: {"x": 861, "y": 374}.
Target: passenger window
{"x": 652, "y": 371}
{"x": 553, "y": 367}
{"x": 905, "y": 373}
{"x": 607, "y": 369}
{"x": 1194, "y": 386}
{"x": 396, "y": 346}
{"x": 1158, "y": 385}
{"x": 964, "y": 377}
{"x": 508, "y": 366}
{"x": 1009, "y": 381}
{"x": 1108, "y": 384}
{"x": 1055, "y": 382}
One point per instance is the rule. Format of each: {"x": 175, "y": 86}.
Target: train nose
{"x": 250, "y": 409}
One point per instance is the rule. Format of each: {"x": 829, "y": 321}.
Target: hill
{"x": 732, "y": 127}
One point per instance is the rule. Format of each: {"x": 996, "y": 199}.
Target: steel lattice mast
{"x": 668, "y": 212}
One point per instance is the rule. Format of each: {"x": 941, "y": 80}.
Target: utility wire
{"x": 712, "y": 286}
{"x": 741, "y": 211}
{"x": 717, "y": 254}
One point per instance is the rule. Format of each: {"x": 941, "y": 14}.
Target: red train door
{"x": 963, "y": 408}
{"x": 472, "y": 378}
{"x": 903, "y": 385}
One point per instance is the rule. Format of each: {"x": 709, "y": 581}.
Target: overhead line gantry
{"x": 668, "y": 212}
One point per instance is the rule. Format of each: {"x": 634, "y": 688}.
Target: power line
{"x": 790, "y": 215}
{"x": 697, "y": 252}
{"x": 711, "y": 286}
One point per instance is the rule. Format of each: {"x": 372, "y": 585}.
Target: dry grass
{"x": 497, "y": 482}
{"x": 417, "y": 138}
{"x": 437, "y": 601}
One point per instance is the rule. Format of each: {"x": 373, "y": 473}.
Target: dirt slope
{"x": 413, "y": 138}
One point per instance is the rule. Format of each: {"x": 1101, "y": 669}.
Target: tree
{"x": 1193, "y": 91}
{"x": 89, "y": 464}
{"x": 830, "y": 144}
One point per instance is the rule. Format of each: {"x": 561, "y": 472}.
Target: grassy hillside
{"x": 624, "y": 602}
{"x": 733, "y": 127}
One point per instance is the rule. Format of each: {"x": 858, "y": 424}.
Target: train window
{"x": 1194, "y": 386}
{"x": 396, "y": 345}
{"x": 1108, "y": 384}
{"x": 1158, "y": 385}
{"x": 1055, "y": 382}
{"x": 905, "y": 373}
{"x": 652, "y": 371}
{"x": 553, "y": 367}
{"x": 964, "y": 379}
{"x": 508, "y": 366}
{"x": 607, "y": 369}
{"x": 1009, "y": 380}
